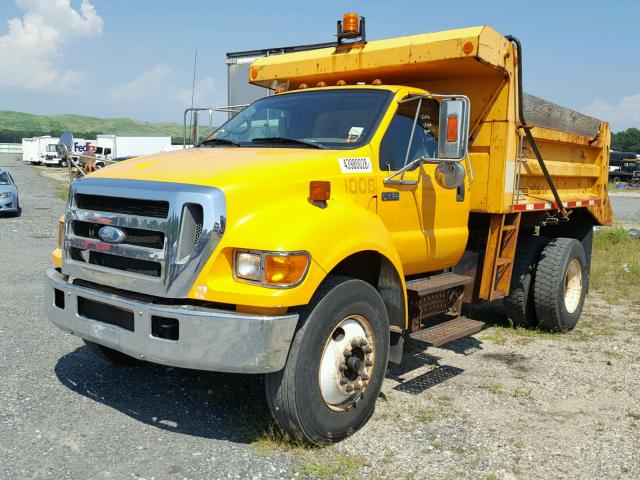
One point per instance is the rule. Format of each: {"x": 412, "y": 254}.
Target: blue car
{"x": 9, "y": 202}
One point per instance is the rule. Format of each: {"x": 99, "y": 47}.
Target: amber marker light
{"x": 302, "y": 86}
{"x": 285, "y": 270}
{"x": 452, "y": 128}
{"x": 319, "y": 191}
{"x": 467, "y": 48}
{"x": 351, "y": 23}
{"x": 377, "y": 81}
{"x": 321, "y": 84}
{"x": 341, "y": 83}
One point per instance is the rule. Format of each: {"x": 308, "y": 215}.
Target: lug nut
{"x": 355, "y": 343}
{"x": 343, "y": 381}
{"x": 364, "y": 376}
{"x": 342, "y": 367}
{"x": 368, "y": 363}
{"x": 347, "y": 352}
{"x": 349, "y": 388}
{"x": 363, "y": 342}
{"x": 357, "y": 386}
{"x": 367, "y": 350}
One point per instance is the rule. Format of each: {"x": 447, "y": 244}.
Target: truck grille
{"x": 169, "y": 230}
{"x": 126, "y": 206}
{"x": 134, "y": 236}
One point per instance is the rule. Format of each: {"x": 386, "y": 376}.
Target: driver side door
{"x": 428, "y": 223}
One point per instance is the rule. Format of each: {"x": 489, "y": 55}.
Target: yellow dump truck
{"x": 381, "y": 186}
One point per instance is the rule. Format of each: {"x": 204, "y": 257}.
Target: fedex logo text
{"x": 79, "y": 147}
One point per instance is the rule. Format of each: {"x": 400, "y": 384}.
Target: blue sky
{"x": 134, "y": 58}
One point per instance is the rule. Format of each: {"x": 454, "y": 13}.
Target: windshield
{"x": 51, "y": 147}
{"x": 4, "y": 179}
{"x": 337, "y": 119}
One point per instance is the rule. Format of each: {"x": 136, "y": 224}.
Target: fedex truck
{"x": 80, "y": 146}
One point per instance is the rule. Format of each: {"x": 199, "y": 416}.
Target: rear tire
{"x": 519, "y": 304}
{"x": 112, "y": 356}
{"x": 318, "y": 408}
{"x": 560, "y": 284}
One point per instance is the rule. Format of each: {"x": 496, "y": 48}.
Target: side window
{"x": 393, "y": 148}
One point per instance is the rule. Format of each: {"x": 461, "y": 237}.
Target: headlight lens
{"x": 6, "y": 195}
{"x": 249, "y": 266}
{"x": 271, "y": 269}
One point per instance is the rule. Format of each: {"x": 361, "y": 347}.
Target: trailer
{"x": 109, "y": 147}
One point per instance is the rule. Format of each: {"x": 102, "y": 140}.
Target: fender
{"x": 329, "y": 234}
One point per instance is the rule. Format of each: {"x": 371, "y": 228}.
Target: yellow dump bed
{"x": 481, "y": 64}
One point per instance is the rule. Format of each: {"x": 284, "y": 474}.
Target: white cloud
{"x": 162, "y": 84}
{"x": 621, "y": 115}
{"x": 31, "y": 51}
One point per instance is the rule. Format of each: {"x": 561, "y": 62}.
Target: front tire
{"x": 336, "y": 365}
{"x": 560, "y": 285}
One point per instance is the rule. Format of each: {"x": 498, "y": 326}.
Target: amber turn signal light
{"x": 319, "y": 191}
{"x": 452, "y": 128}
{"x": 285, "y": 270}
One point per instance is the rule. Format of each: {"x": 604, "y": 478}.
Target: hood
{"x": 229, "y": 167}
{"x": 8, "y": 188}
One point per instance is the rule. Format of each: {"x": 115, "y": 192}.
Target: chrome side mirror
{"x": 453, "y": 139}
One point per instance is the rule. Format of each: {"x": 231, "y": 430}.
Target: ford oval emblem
{"x": 111, "y": 234}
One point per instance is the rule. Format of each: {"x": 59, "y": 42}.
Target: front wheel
{"x": 336, "y": 365}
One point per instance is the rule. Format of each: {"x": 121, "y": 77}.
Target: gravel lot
{"x": 510, "y": 404}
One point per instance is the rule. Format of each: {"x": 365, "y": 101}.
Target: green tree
{"x": 626, "y": 141}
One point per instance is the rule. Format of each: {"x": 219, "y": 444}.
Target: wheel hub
{"x": 573, "y": 285}
{"x": 346, "y": 364}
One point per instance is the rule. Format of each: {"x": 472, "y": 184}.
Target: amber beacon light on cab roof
{"x": 376, "y": 189}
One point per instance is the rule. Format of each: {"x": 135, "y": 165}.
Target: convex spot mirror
{"x": 62, "y": 151}
{"x": 65, "y": 145}
{"x": 453, "y": 138}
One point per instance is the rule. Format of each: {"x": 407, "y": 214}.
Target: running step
{"x": 437, "y": 283}
{"x": 448, "y": 331}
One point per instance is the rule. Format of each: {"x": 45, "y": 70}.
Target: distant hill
{"x": 16, "y": 125}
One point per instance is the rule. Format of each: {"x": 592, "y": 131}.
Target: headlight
{"x": 6, "y": 195}
{"x": 248, "y": 266}
{"x": 271, "y": 269}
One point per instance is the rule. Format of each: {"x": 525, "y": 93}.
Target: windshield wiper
{"x": 219, "y": 141}
{"x": 286, "y": 141}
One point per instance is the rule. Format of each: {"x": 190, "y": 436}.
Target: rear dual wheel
{"x": 548, "y": 284}
{"x": 561, "y": 284}
{"x": 336, "y": 365}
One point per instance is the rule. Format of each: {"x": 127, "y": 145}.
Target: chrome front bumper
{"x": 209, "y": 339}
